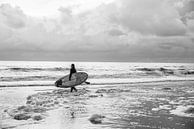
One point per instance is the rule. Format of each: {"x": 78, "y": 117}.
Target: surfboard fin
{"x": 87, "y": 82}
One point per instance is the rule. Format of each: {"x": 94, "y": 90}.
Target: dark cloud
{"x": 192, "y": 39}
{"x": 187, "y": 11}
{"x": 188, "y": 6}
{"x": 115, "y": 32}
{"x": 150, "y": 17}
{"x": 169, "y": 46}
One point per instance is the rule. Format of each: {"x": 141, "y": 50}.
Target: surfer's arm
{"x": 70, "y": 75}
{"x": 71, "y": 72}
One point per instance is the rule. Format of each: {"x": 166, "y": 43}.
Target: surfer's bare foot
{"x": 72, "y": 115}
{"x": 73, "y": 89}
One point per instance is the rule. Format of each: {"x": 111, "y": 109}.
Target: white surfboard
{"x": 76, "y": 79}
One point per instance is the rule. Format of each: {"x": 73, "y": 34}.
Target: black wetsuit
{"x": 72, "y": 70}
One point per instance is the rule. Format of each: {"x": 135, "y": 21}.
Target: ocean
{"x": 34, "y": 73}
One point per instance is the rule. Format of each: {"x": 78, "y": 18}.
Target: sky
{"x": 97, "y": 30}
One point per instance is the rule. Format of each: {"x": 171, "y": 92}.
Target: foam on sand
{"x": 37, "y": 104}
{"x": 112, "y": 90}
{"x": 96, "y": 119}
{"x": 162, "y": 107}
{"x": 149, "y": 105}
{"x": 184, "y": 111}
{"x": 27, "y": 112}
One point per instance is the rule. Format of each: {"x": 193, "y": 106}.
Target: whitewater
{"x": 26, "y": 73}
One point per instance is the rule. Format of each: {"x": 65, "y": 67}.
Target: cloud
{"x": 5, "y": 32}
{"x": 149, "y": 17}
{"x": 115, "y": 32}
{"x": 13, "y": 17}
{"x": 187, "y": 7}
{"x": 130, "y": 30}
{"x": 186, "y": 10}
{"x": 171, "y": 45}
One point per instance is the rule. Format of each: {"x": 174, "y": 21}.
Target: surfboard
{"x": 76, "y": 79}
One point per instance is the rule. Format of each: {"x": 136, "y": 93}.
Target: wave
{"x": 38, "y": 74}
{"x": 28, "y": 78}
{"x": 148, "y": 71}
{"x": 18, "y": 69}
{"x": 55, "y": 69}
{"x": 165, "y": 71}
{"x": 119, "y": 75}
{"x": 144, "y": 73}
{"x": 187, "y": 72}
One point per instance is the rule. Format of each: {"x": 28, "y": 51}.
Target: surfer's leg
{"x": 71, "y": 89}
{"x": 74, "y": 89}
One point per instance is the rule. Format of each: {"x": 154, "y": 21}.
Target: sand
{"x": 161, "y": 105}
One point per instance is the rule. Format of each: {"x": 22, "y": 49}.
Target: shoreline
{"x": 106, "y": 83}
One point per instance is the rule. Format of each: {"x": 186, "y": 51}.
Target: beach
{"x": 120, "y": 97}
{"x": 143, "y": 105}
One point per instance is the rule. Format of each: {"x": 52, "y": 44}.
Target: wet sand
{"x": 161, "y": 105}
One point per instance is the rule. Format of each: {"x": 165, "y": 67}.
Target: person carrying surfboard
{"x": 73, "y": 79}
{"x": 72, "y": 70}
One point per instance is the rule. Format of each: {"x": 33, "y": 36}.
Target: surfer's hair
{"x": 72, "y": 65}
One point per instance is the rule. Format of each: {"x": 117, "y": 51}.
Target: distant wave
{"x": 164, "y": 70}
{"x": 119, "y": 75}
{"x": 167, "y": 71}
{"x": 28, "y": 78}
{"x": 35, "y": 69}
{"x": 144, "y": 72}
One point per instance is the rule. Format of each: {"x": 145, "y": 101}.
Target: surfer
{"x": 72, "y": 70}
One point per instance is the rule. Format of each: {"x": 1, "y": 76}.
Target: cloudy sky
{"x": 97, "y": 30}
